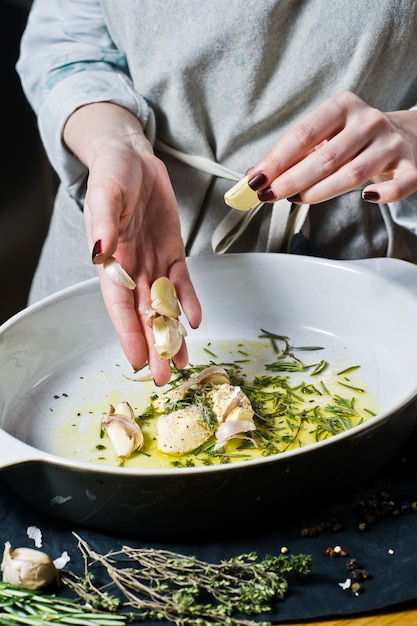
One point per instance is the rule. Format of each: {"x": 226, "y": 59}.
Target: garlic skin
{"x": 27, "y": 568}
{"x": 117, "y": 273}
{"x": 123, "y": 430}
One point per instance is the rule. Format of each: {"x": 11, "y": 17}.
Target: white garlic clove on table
{"x": 27, "y": 568}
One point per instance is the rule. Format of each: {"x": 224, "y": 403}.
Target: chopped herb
{"x": 210, "y": 353}
{"x": 348, "y": 370}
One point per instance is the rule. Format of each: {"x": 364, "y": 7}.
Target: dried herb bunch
{"x": 163, "y": 585}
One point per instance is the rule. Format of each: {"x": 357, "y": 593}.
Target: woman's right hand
{"x": 131, "y": 213}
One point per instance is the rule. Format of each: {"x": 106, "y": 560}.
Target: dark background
{"x": 28, "y": 183}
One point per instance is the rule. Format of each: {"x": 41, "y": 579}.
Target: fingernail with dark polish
{"x": 96, "y": 249}
{"x": 257, "y": 181}
{"x": 266, "y": 195}
{"x": 370, "y": 196}
{"x": 295, "y": 198}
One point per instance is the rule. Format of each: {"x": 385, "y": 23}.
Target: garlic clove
{"x": 168, "y": 334}
{"x": 226, "y": 398}
{"x": 124, "y": 409}
{"x": 241, "y": 196}
{"x": 243, "y": 413}
{"x": 125, "y": 435}
{"x": 213, "y": 375}
{"x": 117, "y": 273}
{"x": 234, "y": 429}
{"x": 27, "y": 568}
{"x": 164, "y": 298}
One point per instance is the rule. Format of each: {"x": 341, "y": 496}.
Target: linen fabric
{"x": 223, "y": 82}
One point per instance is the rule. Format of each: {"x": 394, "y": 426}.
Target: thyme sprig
{"x": 164, "y": 585}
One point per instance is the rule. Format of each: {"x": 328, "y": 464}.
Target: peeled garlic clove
{"x": 116, "y": 272}
{"x": 27, "y": 568}
{"x": 241, "y": 196}
{"x": 164, "y": 298}
{"x": 168, "y": 334}
{"x": 125, "y": 436}
{"x": 242, "y": 413}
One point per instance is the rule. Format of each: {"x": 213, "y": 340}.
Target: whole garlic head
{"x": 27, "y": 568}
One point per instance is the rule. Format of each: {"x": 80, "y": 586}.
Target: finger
{"x": 353, "y": 174}
{"x": 319, "y": 166}
{"x": 314, "y": 129}
{"x": 120, "y": 303}
{"x": 186, "y": 293}
{"x": 394, "y": 189}
{"x": 160, "y": 368}
{"x": 135, "y": 336}
{"x": 181, "y": 358}
{"x": 101, "y": 215}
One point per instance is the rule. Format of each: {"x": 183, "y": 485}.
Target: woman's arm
{"x": 67, "y": 59}
{"x": 97, "y": 132}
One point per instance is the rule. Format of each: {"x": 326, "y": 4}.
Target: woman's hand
{"x": 131, "y": 212}
{"x": 340, "y": 146}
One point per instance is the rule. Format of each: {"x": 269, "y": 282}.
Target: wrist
{"x": 92, "y": 125}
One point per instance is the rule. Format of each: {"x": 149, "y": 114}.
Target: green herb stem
{"x": 21, "y": 606}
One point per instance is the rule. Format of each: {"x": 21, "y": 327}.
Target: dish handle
{"x": 14, "y": 451}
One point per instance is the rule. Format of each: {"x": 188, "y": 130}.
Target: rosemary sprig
{"x": 164, "y": 585}
{"x": 21, "y": 606}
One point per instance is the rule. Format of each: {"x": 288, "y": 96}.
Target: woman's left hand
{"x": 342, "y": 145}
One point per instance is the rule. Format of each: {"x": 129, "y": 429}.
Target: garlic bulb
{"x": 123, "y": 430}
{"x": 27, "y": 568}
{"x": 117, "y": 273}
